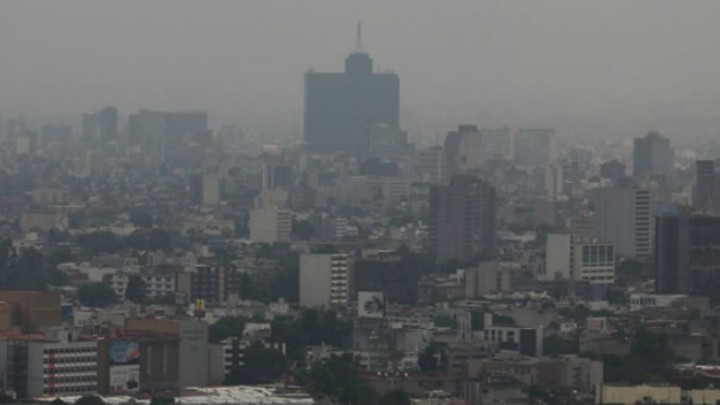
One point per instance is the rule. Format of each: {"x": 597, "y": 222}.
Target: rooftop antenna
{"x": 358, "y": 40}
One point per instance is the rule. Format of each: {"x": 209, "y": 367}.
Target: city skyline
{"x": 510, "y": 62}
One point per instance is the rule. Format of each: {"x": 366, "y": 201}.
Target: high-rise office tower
{"x": 89, "y": 130}
{"x": 533, "y": 147}
{"x": 613, "y": 170}
{"x": 470, "y": 148}
{"x": 180, "y": 124}
{"x": 553, "y": 181}
{"x": 428, "y": 164}
{"x": 652, "y": 155}
{"x": 462, "y": 219}
{"x": 686, "y": 257}
{"x": 340, "y": 107}
{"x": 108, "y": 123}
{"x": 495, "y": 144}
{"x": 706, "y": 191}
{"x": 461, "y": 150}
{"x": 56, "y": 135}
{"x": 205, "y": 188}
{"x": 174, "y": 127}
{"x": 623, "y": 218}
{"x": 147, "y": 129}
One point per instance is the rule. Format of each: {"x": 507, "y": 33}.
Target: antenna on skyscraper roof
{"x": 358, "y": 40}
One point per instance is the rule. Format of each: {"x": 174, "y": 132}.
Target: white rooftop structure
{"x": 235, "y": 395}
{"x": 243, "y": 395}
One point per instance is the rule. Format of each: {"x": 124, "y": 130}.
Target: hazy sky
{"x": 457, "y": 59}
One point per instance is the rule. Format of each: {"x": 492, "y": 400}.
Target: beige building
{"x": 569, "y": 257}
{"x": 632, "y": 394}
{"x": 270, "y": 224}
{"x": 193, "y": 349}
{"x": 324, "y": 279}
{"x": 487, "y": 278}
{"x": 51, "y": 196}
{"x": 707, "y": 396}
{"x": 657, "y": 394}
{"x": 6, "y": 316}
{"x": 33, "y": 311}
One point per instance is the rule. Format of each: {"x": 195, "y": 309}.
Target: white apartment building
{"x": 570, "y": 257}
{"x": 640, "y": 301}
{"x": 157, "y": 284}
{"x": 324, "y": 279}
{"x": 594, "y": 262}
{"x": 61, "y": 368}
{"x": 558, "y": 257}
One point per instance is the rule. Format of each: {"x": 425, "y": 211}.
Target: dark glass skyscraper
{"x": 341, "y": 107}
{"x": 652, "y": 155}
{"x": 687, "y": 254}
{"x": 108, "y": 120}
{"x": 462, "y": 219}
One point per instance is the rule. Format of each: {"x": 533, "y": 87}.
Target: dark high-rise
{"x": 652, "y": 155}
{"x": 706, "y": 191}
{"x": 462, "y": 219}
{"x": 341, "y": 107}
{"x": 108, "y": 122}
{"x": 613, "y": 170}
{"x": 687, "y": 254}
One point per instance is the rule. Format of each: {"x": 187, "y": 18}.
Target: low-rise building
{"x": 633, "y": 394}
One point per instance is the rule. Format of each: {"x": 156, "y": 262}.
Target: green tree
{"x": 90, "y": 400}
{"x": 629, "y": 270}
{"x": 136, "y": 289}
{"x": 27, "y": 269}
{"x": 650, "y": 353}
{"x": 165, "y": 299}
{"x": 260, "y": 365}
{"x": 395, "y": 397}
{"x": 226, "y": 327}
{"x": 99, "y": 242}
{"x": 141, "y": 219}
{"x": 428, "y": 359}
{"x": 162, "y": 400}
{"x": 554, "y": 345}
{"x": 313, "y": 327}
{"x": 445, "y": 321}
{"x": 302, "y": 230}
{"x": 502, "y": 320}
{"x": 96, "y": 295}
{"x": 153, "y": 239}
{"x": 338, "y": 379}
{"x": 536, "y": 392}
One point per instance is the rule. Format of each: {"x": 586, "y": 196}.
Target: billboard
{"x": 371, "y": 304}
{"x": 124, "y": 366}
{"x": 125, "y": 378}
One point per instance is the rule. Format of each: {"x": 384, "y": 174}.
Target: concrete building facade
{"x": 325, "y": 279}
{"x": 623, "y": 218}
{"x": 462, "y": 219}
